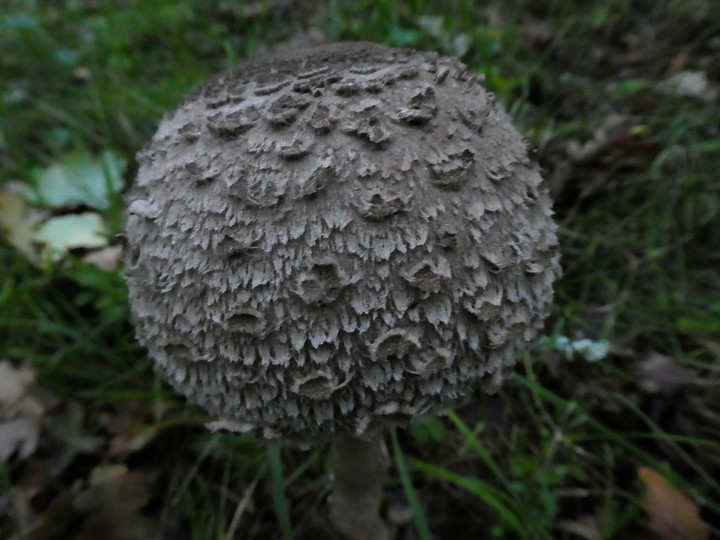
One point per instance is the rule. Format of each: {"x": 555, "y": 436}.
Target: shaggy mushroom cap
{"x": 327, "y": 241}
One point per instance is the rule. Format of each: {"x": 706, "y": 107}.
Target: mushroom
{"x": 342, "y": 239}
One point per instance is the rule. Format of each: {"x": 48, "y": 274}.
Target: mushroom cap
{"x": 326, "y": 241}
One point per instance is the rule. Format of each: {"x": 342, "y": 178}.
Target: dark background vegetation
{"x": 619, "y": 99}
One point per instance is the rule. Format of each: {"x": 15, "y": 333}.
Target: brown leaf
{"x": 18, "y": 436}
{"x": 136, "y": 424}
{"x": 586, "y": 526}
{"x": 107, "y": 258}
{"x": 614, "y": 129}
{"x": 113, "y": 501}
{"x": 29, "y": 493}
{"x": 67, "y": 429}
{"x": 15, "y": 224}
{"x": 678, "y": 62}
{"x": 22, "y": 408}
{"x": 56, "y": 521}
{"x": 660, "y": 374}
{"x": 673, "y": 515}
{"x": 14, "y": 383}
{"x": 539, "y": 33}
{"x": 131, "y": 427}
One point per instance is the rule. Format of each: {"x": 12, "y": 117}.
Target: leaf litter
{"x": 17, "y": 223}
{"x": 64, "y": 209}
{"x": 672, "y": 514}
{"x": 22, "y": 409}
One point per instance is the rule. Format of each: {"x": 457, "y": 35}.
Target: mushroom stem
{"x": 359, "y": 466}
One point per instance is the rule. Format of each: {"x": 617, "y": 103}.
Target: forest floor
{"x": 609, "y": 429}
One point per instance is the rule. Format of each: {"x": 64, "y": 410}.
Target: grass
{"x": 421, "y": 524}
{"x": 559, "y": 447}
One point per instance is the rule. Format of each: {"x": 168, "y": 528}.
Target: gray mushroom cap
{"x": 330, "y": 240}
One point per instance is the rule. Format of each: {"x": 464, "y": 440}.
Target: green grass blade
{"x": 482, "y": 490}
{"x": 207, "y": 449}
{"x": 279, "y": 499}
{"x": 421, "y": 523}
{"x": 689, "y": 461}
{"x": 621, "y": 441}
{"x": 472, "y": 441}
{"x": 616, "y": 438}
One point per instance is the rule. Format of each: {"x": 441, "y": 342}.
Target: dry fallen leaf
{"x": 586, "y": 526}
{"x": 21, "y": 412}
{"x": 63, "y": 233}
{"x": 131, "y": 427}
{"x": 673, "y": 515}
{"x": 690, "y": 84}
{"x": 107, "y": 259}
{"x": 136, "y": 424}
{"x": 613, "y": 129}
{"x": 14, "y": 223}
{"x": 109, "y": 506}
{"x": 20, "y": 436}
{"x": 68, "y": 431}
{"x": 539, "y": 33}
{"x": 113, "y": 503}
{"x": 14, "y": 383}
{"x": 660, "y": 374}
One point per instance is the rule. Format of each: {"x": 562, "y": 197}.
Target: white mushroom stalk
{"x": 327, "y": 242}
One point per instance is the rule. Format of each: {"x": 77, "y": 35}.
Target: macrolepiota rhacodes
{"x": 327, "y": 242}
